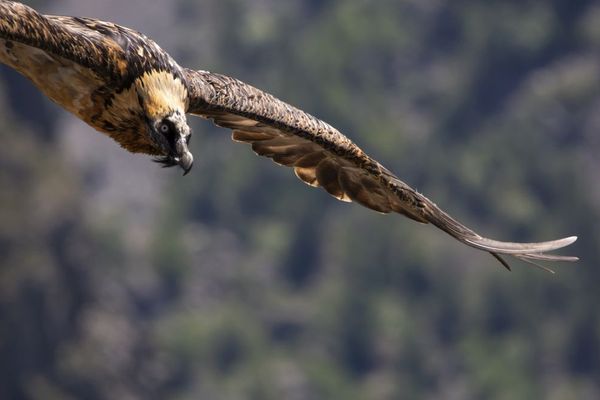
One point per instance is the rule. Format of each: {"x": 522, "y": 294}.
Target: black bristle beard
{"x": 165, "y": 161}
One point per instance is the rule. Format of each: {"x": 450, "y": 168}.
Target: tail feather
{"x": 518, "y": 248}
{"x": 546, "y": 257}
{"x": 527, "y": 252}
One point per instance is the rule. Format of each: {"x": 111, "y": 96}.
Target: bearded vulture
{"x": 124, "y": 85}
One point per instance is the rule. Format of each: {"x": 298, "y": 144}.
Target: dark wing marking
{"x": 322, "y": 156}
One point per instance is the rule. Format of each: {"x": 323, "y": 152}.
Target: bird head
{"x": 171, "y": 136}
{"x": 164, "y": 99}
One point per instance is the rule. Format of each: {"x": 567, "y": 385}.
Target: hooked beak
{"x": 184, "y": 158}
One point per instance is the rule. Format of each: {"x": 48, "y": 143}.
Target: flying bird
{"x": 124, "y": 85}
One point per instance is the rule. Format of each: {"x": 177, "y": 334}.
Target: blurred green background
{"x": 121, "y": 280}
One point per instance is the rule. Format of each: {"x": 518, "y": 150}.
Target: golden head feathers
{"x": 161, "y": 93}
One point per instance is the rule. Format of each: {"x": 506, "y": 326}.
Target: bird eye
{"x": 164, "y": 128}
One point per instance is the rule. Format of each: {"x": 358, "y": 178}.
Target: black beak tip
{"x": 186, "y": 162}
{"x": 186, "y": 170}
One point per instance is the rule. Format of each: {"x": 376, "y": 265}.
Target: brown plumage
{"x": 124, "y": 85}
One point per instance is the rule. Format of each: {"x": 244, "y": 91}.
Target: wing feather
{"x": 327, "y": 173}
{"x": 323, "y": 157}
{"x": 65, "y": 37}
{"x": 114, "y": 53}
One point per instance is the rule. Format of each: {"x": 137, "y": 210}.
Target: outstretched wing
{"x": 116, "y": 54}
{"x": 322, "y": 156}
{"x": 67, "y": 37}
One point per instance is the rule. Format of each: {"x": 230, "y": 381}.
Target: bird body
{"x": 124, "y": 85}
{"x": 100, "y": 79}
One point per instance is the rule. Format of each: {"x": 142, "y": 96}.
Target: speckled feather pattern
{"x": 56, "y": 35}
{"x": 214, "y": 93}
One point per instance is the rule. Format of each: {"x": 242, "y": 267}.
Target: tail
{"x": 528, "y": 252}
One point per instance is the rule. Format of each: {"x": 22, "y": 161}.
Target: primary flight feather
{"x": 123, "y": 84}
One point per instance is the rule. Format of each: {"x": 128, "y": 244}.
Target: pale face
{"x": 171, "y": 136}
